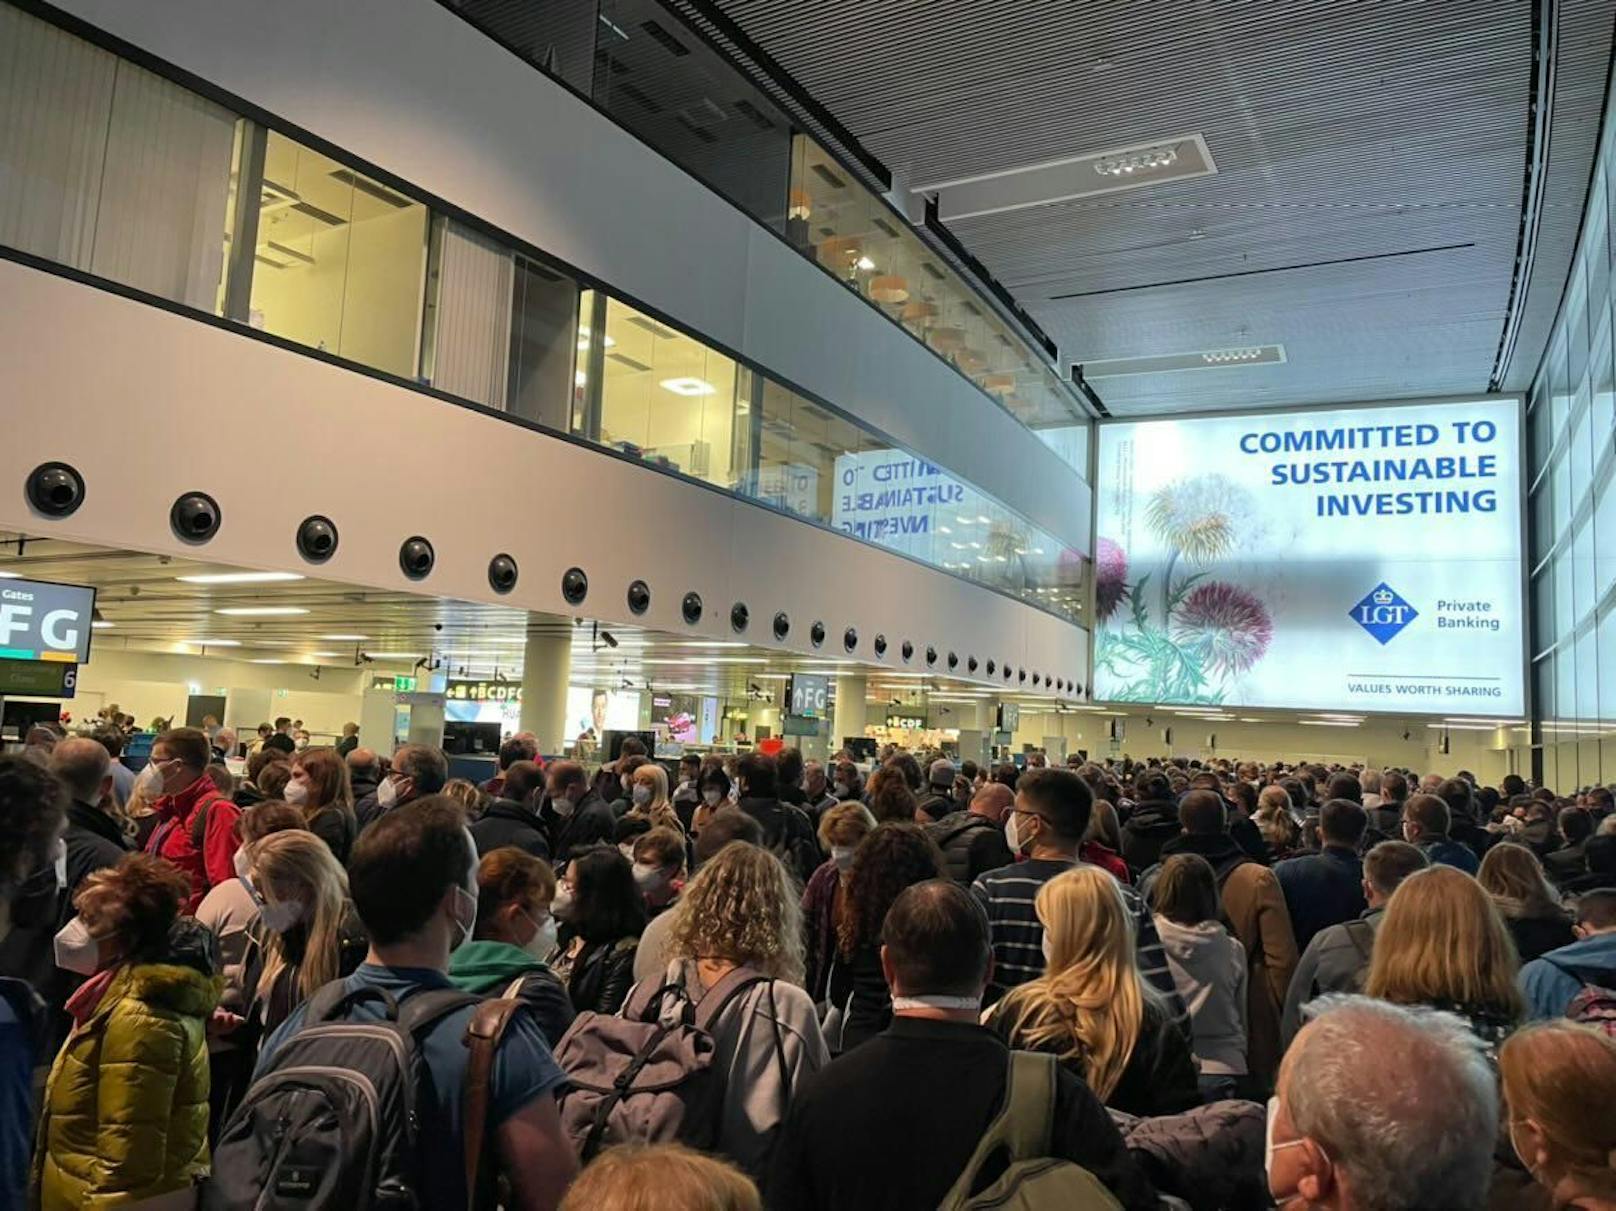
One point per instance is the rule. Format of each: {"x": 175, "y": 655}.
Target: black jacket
{"x": 337, "y": 827}
{"x": 971, "y": 845}
{"x": 1539, "y": 836}
{"x": 891, "y": 1125}
{"x": 601, "y": 975}
{"x": 247, "y": 794}
{"x": 507, "y": 822}
{"x": 590, "y": 823}
{"x": 1153, "y": 823}
{"x": 937, "y": 805}
{"x": 1536, "y": 936}
{"x": 1566, "y": 863}
{"x": 787, "y": 832}
{"x": 1321, "y": 890}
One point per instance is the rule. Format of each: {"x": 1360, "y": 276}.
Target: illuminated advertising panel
{"x": 1355, "y": 559}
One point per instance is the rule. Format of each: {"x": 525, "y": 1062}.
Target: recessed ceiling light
{"x": 102, "y": 625}
{"x": 214, "y": 643}
{"x": 239, "y": 577}
{"x": 1159, "y": 155}
{"x": 326, "y": 655}
{"x": 268, "y": 660}
{"x": 10, "y": 575}
{"x": 261, "y": 611}
{"x": 688, "y": 386}
{"x": 1199, "y": 359}
{"x": 864, "y": 263}
{"x": 355, "y": 638}
{"x": 394, "y": 655}
{"x": 1327, "y": 723}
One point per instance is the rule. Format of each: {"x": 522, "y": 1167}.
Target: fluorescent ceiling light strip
{"x": 239, "y": 577}
{"x": 261, "y": 611}
{"x": 1326, "y": 723}
{"x": 213, "y": 643}
{"x": 354, "y": 638}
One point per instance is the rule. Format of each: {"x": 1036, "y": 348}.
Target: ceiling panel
{"x": 1366, "y": 213}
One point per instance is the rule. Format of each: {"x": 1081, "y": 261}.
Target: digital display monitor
{"x": 1346, "y": 559}
{"x": 808, "y": 695}
{"x": 42, "y": 620}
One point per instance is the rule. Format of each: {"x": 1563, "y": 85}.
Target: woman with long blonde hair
{"x": 1559, "y": 1082}
{"x": 648, "y": 791}
{"x": 740, "y": 918}
{"x": 1092, "y": 1009}
{"x": 1513, "y": 876}
{"x": 308, "y": 934}
{"x": 1443, "y": 944}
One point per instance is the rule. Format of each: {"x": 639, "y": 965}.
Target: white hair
{"x": 1401, "y": 1099}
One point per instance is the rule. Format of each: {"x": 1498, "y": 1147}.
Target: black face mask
{"x": 37, "y": 900}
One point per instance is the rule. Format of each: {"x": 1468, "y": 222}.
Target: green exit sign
{"x": 404, "y": 685}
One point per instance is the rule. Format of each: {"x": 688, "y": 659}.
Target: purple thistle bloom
{"x": 1232, "y": 625}
{"x": 1110, "y": 578}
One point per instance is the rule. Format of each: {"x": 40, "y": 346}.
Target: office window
{"x": 339, "y": 260}
{"x": 544, "y": 322}
{"x": 108, "y": 168}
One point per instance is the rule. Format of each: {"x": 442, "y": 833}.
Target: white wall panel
{"x": 410, "y": 87}
{"x": 125, "y": 391}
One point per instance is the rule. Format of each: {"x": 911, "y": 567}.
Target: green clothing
{"x": 489, "y": 967}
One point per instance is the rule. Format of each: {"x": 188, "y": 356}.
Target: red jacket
{"x": 1107, "y": 859}
{"x": 176, "y": 827}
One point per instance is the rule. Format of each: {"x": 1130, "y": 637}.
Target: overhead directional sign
{"x": 38, "y": 678}
{"x": 41, "y": 620}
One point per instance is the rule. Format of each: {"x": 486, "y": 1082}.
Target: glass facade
{"x": 108, "y": 168}
{"x": 1572, "y": 510}
{"x": 670, "y": 88}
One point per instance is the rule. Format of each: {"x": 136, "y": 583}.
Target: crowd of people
{"x": 742, "y": 980}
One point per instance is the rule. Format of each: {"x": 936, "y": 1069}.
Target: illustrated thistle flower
{"x": 1231, "y": 626}
{"x": 1110, "y": 578}
{"x": 1196, "y": 516}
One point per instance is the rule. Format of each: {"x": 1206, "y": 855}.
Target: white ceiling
{"x": 1366, "y": 212}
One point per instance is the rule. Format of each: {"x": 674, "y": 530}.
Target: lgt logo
{"x": 1383, "y": 613}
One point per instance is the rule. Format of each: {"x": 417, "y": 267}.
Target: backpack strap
{"x": 717, "y": 998}
{"x": 483, "y": 1035}
{"x": 424, "y": 1010}
{"x": 1022, "y": 1125}
{"x": 332, "y": 1002}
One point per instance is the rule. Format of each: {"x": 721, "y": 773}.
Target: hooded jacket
{"x": 199, "y": 809}
{"x": 1551, "y": 982}
{"x": 125, "y": 1115}
{"x": 1209, "y": 968}
{"x": 498, "y": 969}
{"x": 1451, "y": 853}
{"x": 1154, "y": 822}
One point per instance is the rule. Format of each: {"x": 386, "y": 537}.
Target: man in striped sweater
{"x": 1047, "y": 823}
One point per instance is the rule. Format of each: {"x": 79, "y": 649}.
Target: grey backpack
{"x": 648, "y": 1075}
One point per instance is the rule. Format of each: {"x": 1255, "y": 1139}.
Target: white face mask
{"x": 149, "y": 785}
{"x": 297, "y": 793}
{"x": 842, "y": 855}
{"x": 711, "y": 796}
{"x": 386, "y": 793}
{"x": 561, "y": 906}
{"x": 844, "y": 791}
{"x": 76, "y": 950}
{"x": 1269, "y": 1147}
{"x": 562, "y": 805}
{"x": 465, "y": 900}
{"x": 543, "y": 942}
{"x": 647, "y": 877}
{"x": 243, "y": 865}
{"x": 1012, "y": 837}
{"x": 302, "y": 742}
{"x": 641, "y": 794}
{"x": 899, "y": 1003}
{"x": 59, "y": 864}
{"x": 281, "y": 915}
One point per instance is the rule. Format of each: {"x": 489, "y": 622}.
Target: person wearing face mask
{"x": 602, "y": 915}
{"x": 308, "y": 932}
{"x": 33, "y": 811}
{"x": 514, "y": 935}
{"x": 841, "y": 829}
{"x": 687, "y": 792}
{"x": 417, "y": 770}
{"x": 715, "y": 795}
{"x": 661, "y": 863}
{"x": 578, "y": 817}
{"x": 196, "y": 825}
{"x": 513, "y": 818}
{"x": 817, "y": 799}
{"x": 621, "y": 790}
{"x": 1559, "y": 1082}
{"x": 848, "y": 783}
{"x": 125, "y": 1113}
{"x": 648, "y": 797}
{"x": 895, "y": 1123}
{"x": 1345, "y": 1134}
{"x": 319, "y": 787}
{"x": 413, "y": 877}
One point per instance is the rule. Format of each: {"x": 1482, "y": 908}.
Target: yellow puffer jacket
{"x": 126, "y": 1107}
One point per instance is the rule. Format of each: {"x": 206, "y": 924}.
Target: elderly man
{"x": 1344, "y": 1133}
{"x": 972, "y": 840}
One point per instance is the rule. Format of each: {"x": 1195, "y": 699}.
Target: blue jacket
{"x": 1321, "y": 890}
{"x": 1452, "y": 853}
{"x": 1549, "y": 983}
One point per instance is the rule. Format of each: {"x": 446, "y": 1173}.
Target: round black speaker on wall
{"x": 194, "y": 517}
{"x": 317, "y": 539}
{"x": 502, "y": 573}
{"x": 880, "y": 645}
{"x": 931, "y": 654}
{"x": 816, "y": 634}
{"x": 690, "y": 608}
{"x": 850, "y": 639}
{"x": 991, "y": 668}
{"x": 574, "y": 586}
{"x": 638, "y": 597}
{"x": 953, "y": 660}
{"x": 739, "y": 617}
{"x": 416, "y": 557}
{"x": 782, "y": 625}
{"x": 907, "y": 651}
{"x": 970, "y": 665}
{"x": 55, "y": 489}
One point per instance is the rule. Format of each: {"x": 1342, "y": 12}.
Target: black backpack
{"x": 333, "y": 1123}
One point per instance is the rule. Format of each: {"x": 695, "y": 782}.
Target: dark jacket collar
{"x": 93, "y": 820}
{"x": 1217, "y": 849}
{"x": 510, "y": 809}
{"x": 935, "y": 1031}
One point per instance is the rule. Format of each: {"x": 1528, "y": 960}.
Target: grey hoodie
{"x": 1209, "y": 968}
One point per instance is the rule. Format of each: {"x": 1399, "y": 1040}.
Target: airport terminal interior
{"x": 842, "y": 604}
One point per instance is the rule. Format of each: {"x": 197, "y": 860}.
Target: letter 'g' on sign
{"x": 44, "y": 621}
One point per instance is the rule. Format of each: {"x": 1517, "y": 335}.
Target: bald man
{"x": 972, "y": 840}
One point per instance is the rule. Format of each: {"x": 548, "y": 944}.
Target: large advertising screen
{"x": 1356, "y": 559}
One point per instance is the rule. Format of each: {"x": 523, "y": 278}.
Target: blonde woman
{"x": 308, "y": 932}
{"x": 1559, "y": 1086}
{"x": 660, "y": 1177}
{"x": 1275, "y": 822}
{"x": 1091, "y": 1008}
{"x": 648, "y": 795}
{"x": 741, "y": 912}
{"x": 1513, "y": 876}
{"x": 1443, "y": 944}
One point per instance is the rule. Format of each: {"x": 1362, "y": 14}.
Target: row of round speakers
{"x": 56, "y": 490}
